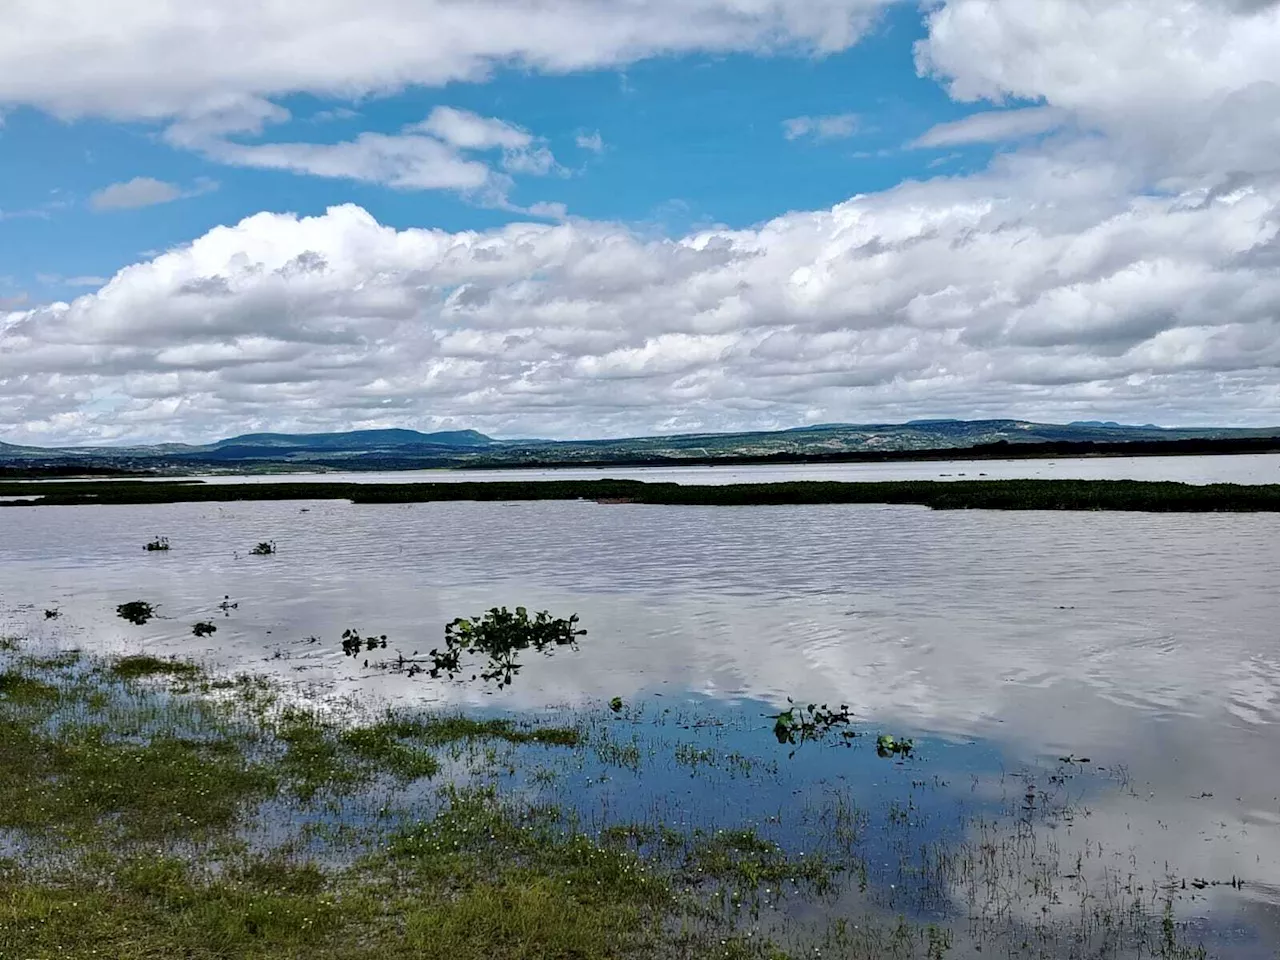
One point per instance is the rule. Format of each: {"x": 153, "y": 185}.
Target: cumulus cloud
{"x": 984, "y": 296}
{"x": 1127, "y": 268}
{"x": 992, "y": 127}
{"x": 145, "y": 192}
{"x": 832, "y": 127}
{"x": 1185, "y": 93}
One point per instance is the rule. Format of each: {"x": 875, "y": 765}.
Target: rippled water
{"x": 1149, "y": 643}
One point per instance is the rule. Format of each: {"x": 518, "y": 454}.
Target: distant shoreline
{"x": 376, "y": 463}
{"x": 999, "y": 450}
{"x": 1090, "y": 495}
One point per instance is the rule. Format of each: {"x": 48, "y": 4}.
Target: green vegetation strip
{"x": 1132, "y": 495}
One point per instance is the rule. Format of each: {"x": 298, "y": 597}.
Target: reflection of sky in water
{"x": 1241, "y": 468}
{"x": 1145, "y": 642}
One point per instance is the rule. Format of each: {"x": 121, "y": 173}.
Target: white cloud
{"x": 430, "y": 155}
{"x": 993, "y": 127}
{"x": 470, "y": 131}
{"x": 54, "y": 279}
{"x": 1127, "y": 268}
{"x": 103, "y": 57}
{"x": 834, "y": 127}
{"x": 1183, "y": 93}
{"x": 145, "y": 192}
{"x": 405, "y": 161}
{"x": 337, "y": 113}
{"x": 1004, "y": 293}
{"x": 590, "y": 141}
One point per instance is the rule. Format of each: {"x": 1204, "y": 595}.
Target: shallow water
{"x": 1001, "y": 641}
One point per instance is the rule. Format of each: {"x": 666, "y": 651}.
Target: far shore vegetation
{"x": 1126, "y": 495}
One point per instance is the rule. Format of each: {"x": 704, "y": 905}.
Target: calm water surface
{"x": 1244, "y": 468}
{"x": 1003, "y": 641}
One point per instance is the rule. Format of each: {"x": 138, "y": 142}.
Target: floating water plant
{"x": 616, "y": 704}
{"x": 353, "y": 643}
{"x": 203, "y": 629}
{"x": 52, "y": 614}
{"x": 499, "y": 635}
{"x": 888, "y": 746}
{"x": 159, "y": 543}
{"x": 797, "y": 724}
{"x": 136, "y": 612}
{"x": 264, "y": 549}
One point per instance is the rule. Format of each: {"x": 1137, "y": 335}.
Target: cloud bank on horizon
{"x": 1106, "y": 250}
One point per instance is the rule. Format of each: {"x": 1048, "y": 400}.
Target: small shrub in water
{"x": 797, "y": 724}
{"x": 52, "y": 614}
{"x": 353, "y": 643}
{"x": 264, "y": 549}
{"x": 203, "y": 629}
{"x": 499, "y": 635}
{"x": 159, "y": 543}
{"x": 136, "y": 612}
{"x": 887, "y": 746}
{"x": 616, "y": 704}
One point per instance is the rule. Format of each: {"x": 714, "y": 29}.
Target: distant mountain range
{"x": 410, "y": 449}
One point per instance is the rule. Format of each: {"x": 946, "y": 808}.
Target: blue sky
{"x": 686, "y": 142}
{"x": 572, "y": 218}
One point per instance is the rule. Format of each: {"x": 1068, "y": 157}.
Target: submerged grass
{"x": 142, "y": 665}
{"x": 149, "y": 809}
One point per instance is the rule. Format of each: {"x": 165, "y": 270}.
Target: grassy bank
{"x": 133, "y": 794}
{"x": 151, "y": 809}
{"x": 1130, "y": 495}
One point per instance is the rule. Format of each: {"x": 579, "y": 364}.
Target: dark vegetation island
{"x": 1131, "y": 495}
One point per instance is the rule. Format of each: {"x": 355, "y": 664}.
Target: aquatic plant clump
{"x": 203, "y": 629}
{"x": 498, "y": 635}
{"x": 889, "y": 746}
{"x": 797, "y": 724}
{"x": 353, "y": 643}
{"x": 137, "y": 612}
{"x": 158, "y": 544}
{"x": 264, "y": 549}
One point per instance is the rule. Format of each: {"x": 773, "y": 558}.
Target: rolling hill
{"x": 392, "y": 449}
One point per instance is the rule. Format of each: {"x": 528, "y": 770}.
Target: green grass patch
{"x": 143, "y": 665}
{"x": 77, "y": 780}
{"x": 324, "y": 754}
{"x": 20, "y": 690}
{"x": 746, "y": 860}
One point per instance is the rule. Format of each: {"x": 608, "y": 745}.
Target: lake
{"x": 1242, "y": 468}
{"x": 1002, "y": 643}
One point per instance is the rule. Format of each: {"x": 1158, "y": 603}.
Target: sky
{"x": 591, "y": 218}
